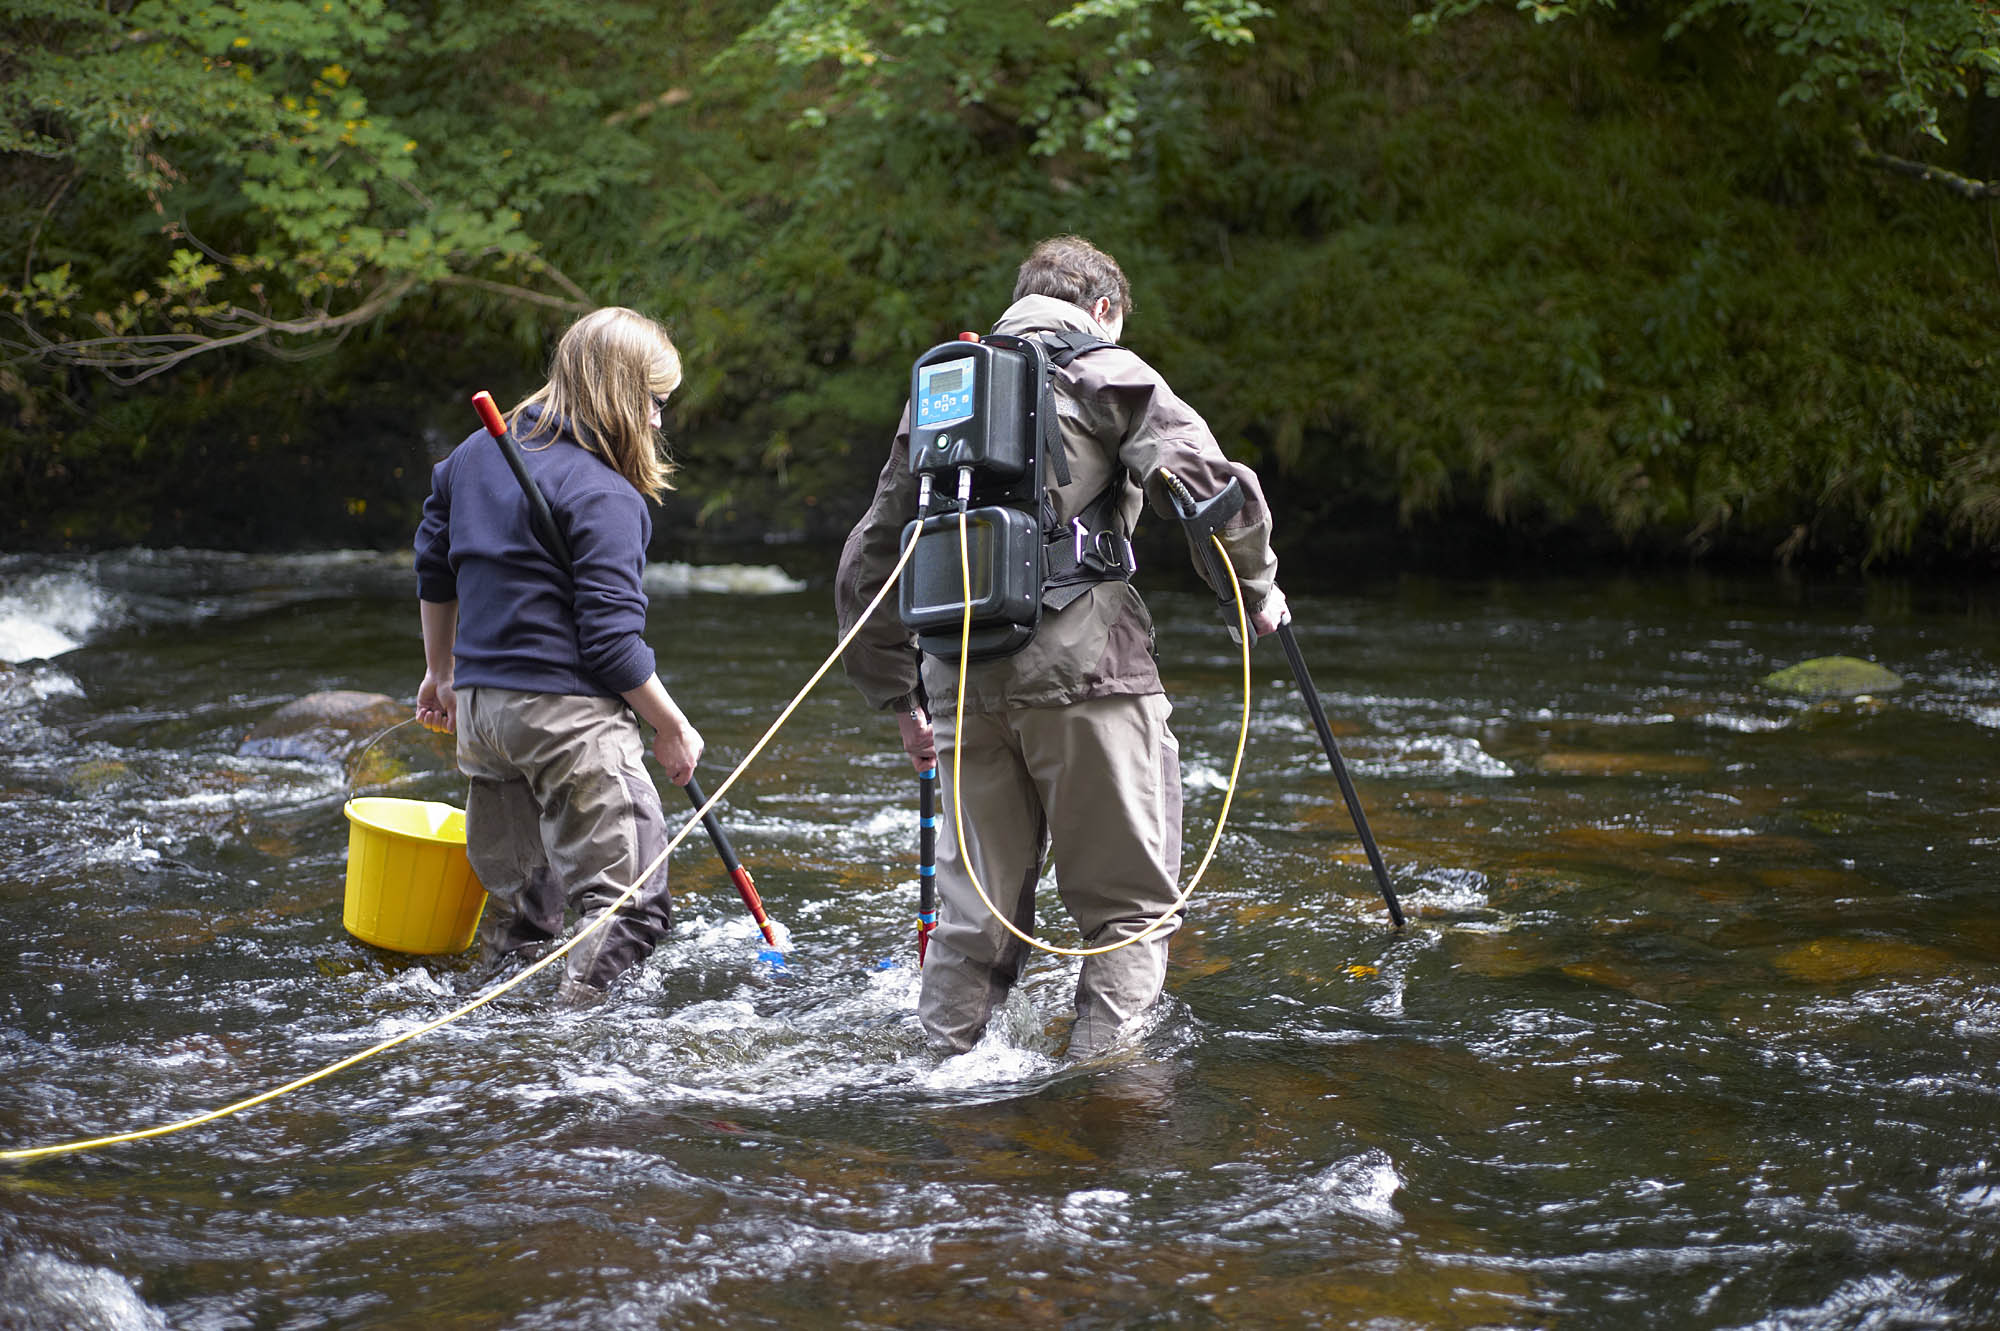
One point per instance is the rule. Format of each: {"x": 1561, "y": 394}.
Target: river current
{"x": 1694, "y": 1023}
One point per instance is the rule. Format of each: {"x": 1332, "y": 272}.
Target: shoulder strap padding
{"x": 1072, "y": 344}
{"x": 1061, "y": 346}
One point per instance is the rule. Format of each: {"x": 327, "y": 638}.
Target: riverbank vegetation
{"x": 1663, "y": 282}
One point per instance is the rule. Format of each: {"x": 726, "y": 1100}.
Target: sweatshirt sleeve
{"x": 436, "y": 581}
{"x": 608, "y": 534}
{"x": 882, "y": 661}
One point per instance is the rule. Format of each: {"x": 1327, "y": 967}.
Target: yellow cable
{"x": 958, "y": 729}
{"x": 383, "y": 1046}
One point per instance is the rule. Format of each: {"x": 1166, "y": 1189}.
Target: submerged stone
{"x": 322, "y": 726}
{"x": 98, "y": 775}
{"x": 1575, "y": 763}
{"x": 1834, "y": 677}
{"x": 1838, "y": 960}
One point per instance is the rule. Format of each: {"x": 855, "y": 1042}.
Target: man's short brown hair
{"x": 1071, "y": 268}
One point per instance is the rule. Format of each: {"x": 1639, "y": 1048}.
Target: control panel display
{"x": 944, "y": 393}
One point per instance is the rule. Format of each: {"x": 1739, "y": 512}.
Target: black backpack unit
{"x": 982, "y": 430}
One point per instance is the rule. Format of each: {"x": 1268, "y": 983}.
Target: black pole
{"x": 739, "y": 876}
{"x": 1347, "y": 792}
{"x": 1202, "y": 519}
{"x": 540, "y": 518}
{"x": 698, "y": 797}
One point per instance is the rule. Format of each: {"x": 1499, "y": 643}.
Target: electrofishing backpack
{"x": 984, "y": 440}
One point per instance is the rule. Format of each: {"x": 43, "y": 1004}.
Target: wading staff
{"x": 1202, "y": 521}
{"x": 1299, "y": 673}
{"x": 550, "y": 535}
{"x": 926, "y": 860}
{"x": 738, "y": 875}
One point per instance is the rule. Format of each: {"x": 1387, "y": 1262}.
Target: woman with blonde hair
{"x": 543, "y": 671}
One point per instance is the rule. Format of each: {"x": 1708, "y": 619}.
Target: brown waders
{"x": 561, "y": 811}
{"x": 1098, "y": 779}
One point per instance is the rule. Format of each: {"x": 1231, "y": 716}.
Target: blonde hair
{"x": 606, "y": 371}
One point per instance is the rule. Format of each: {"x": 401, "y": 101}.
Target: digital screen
{"x": 944, "y": 392}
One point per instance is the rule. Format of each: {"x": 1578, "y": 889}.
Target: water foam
{"x": 1433, "y": 755}
{"x": 1360, "y": 1186}
{"x": 53, "y": 613}
{"x": 678, "y": 579}
{"x": 38, "y": 1289}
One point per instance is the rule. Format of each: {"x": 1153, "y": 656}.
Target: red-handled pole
{"x": 738, "y": 875}
{"x": 489, "y": 415}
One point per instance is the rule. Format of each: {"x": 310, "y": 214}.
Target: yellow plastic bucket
{"x": 409, "y": 885}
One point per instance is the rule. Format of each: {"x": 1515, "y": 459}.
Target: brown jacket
{"x": 1117, "y": 413}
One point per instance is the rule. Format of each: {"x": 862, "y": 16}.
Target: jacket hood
{"x": 1030, "y": 313}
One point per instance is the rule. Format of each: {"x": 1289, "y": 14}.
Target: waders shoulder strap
{"x": 1068, "y": 344}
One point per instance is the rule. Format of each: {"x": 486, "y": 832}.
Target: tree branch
{"x": 1966, "y": 187}
{"x": 581, "y": 304}
{"x": 48, "y": 211}
{"x": 130, "y": 360}
{"x": 562, "y": 279}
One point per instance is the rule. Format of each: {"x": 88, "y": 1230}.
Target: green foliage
{"x": 1901, "y": 63}
{"x": 1074, "y": 75}
{"x": 1599, "y": 280}
{"x": 304, "y": 166}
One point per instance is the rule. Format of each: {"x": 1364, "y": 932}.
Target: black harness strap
{"x": 1091, "y": 548}
{"x": 1063, "y": 345}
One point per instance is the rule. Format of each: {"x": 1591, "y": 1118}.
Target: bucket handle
{"x": 355, "y": 765}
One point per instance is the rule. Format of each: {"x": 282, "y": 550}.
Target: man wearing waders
{"x": 1066, "y": 741}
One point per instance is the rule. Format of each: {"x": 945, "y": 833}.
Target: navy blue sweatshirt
{"x": 519, "y": 625}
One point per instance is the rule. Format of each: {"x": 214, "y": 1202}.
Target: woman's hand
{"x": 677, "y": 749}
{"x": 437, "y": 705}
{"x": 437, "y": 702}
{"x": 677, "y": 744}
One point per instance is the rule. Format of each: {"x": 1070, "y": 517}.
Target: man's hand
{"x": 1271, "y": 614}
{"x": 918, "y": 741}
{"x": 437, "y": 705}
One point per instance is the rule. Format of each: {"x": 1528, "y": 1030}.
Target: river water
{"x": 1694, "y": 1024}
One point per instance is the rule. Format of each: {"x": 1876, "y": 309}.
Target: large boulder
{"x": 323, "y": 727}
{"x": 1834, "y": 677}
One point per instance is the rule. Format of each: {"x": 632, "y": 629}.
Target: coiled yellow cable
{"x": 958, "y": 728}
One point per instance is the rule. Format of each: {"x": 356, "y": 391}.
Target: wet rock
{"x": 1834, "y": 677}
{"x": 323, "y": 727}
{"x": 1839, "y": 960}
{"x": 98, "y": 776}
{"x": 1572, "y": 763}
